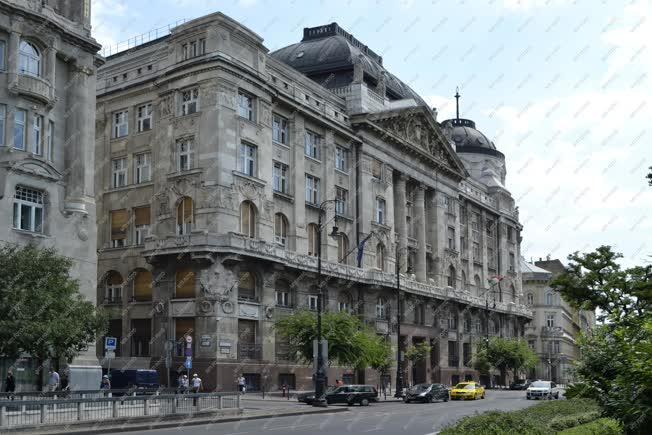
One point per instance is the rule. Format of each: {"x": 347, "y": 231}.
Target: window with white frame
{"x": 380, "y": 256}
{"x": 29, "y": 59}
{"x": 342, "y": 248}
{"x": 344, "y": 302}
{"x": 185, "y": 216}
{"x": 312, "y": 189}
{"x": 280, "y": 229}
{"x": 189, "y": 101}
{"x": 512, "y": 262}
{"x": 313, "y": 239}
{"x": 313, "y": 302}
{"x": 49, "y": 141}
{"x": 549, "y": 299}
{"x": 185, "y": 154}
{"x": 20, "y": 118}
{"x": 193, "y": 48}
{"x": 279, "y": 129}
{"x": 143, "y": 167}
{"x": 248, "y": 219}
{"x": 144, "y": 117}
{"x": 312, "y": 144}
{"x": 530, "y": 299}
{"x": 247, "y": 159}
{"x": 280, "y": 177}
{"x": 119, "y": 172}
{"x": 451, "y": 238}
{"x": 37, "y": 137}
{"x": 3, "y": 123}
{"x": 380, "y": 210}
{"x": 341, "y": 201}
{"x": 28, "y": 209}
{"x": 381, "y": 308}
{"x": 245, "y": 106}
{"x": 120, "y": 123}
{"x": 3, "y": 50}
{"x": 550, "y": 320}
{"x": 341, "y": 159}
{"x": 282, "y": 298}
{"x": 141, "y": 224}
{"x": 113, "y": 291}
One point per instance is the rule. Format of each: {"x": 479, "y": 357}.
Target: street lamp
{"x": 399, "y": 359}
{"x": 320, "y": 375}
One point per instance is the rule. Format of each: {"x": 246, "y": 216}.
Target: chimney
{"x": 548, "y": 257}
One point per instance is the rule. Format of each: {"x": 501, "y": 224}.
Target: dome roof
{"x": 467, "y": 139}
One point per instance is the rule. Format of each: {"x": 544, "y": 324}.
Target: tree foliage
{"x": 350, "y": 342}
{"x": 42, "y": 312}
{"x": 504, "y": 355}
{"x": 615, "y": 364}
{"x": 418, "y": 352}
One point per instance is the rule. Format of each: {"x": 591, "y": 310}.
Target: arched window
{"x": 248, "y": 219}
{"x": 143, "y": 285}
{"x": 452, "y": 320}
{"x": 247, "y": 286}
{"x": 478, "y": 285}
{"x": 185, "y": 283}
{"x": 184, "y": 216}
{"x": 530, "y": 299}
{"x": 381, "y": 308}
{"x": 29, "y": 61}
{"x": 451, "y": 276}
{"x": 313, "y": 239}
{"x": 549, "y": 298}
{"x": 342, "y": 248}
{"x": 280, "y": 229}
{"x": 113, "y": 288}
{"x": 463, "y": 277}
{"x": 344, "y": 302}
{"x": 283, "y": 294}
{"x": 513, "y": 289}
{"x": 380, "y": 256}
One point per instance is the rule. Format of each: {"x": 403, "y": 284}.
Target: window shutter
{"x": 185, "y": 283}
{"x": 187, "y": 210}
{"x": 142, "y": 215}
{"x": 119, "y": 219}
{"x": 143, "y": 286}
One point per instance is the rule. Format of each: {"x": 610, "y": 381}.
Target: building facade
{"x": 555, "y": 328}
{"x": 47, "y": 103}
{"x": 213, "y": 160}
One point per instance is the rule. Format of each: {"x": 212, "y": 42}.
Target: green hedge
{"x": 534, "y": 420}
{"x": 601, "y": 426}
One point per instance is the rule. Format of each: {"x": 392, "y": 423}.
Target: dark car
{"x": 520, "y": 385}
{"x": 427, "y": 393}
{"x": 309, "y": 396}
{"x": 139, "y": 379}
{"x": 352, "y": 394}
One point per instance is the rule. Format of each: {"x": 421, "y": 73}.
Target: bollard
{"x": 237, "y": 401}
{"x": 3, "y": 415}
{"x": 54, "y": 405}
{"x": 146, "y": 407}
{"x": 219, "y": 403}
{"x": 44, "y": 413}
{"x": 22, "y": 408}
{"x": 174, "y": 405}
{"x": 80, "y": 408}
{"x": 115, "y": 409}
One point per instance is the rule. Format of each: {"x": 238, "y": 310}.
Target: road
{"x": 389, "y": 418}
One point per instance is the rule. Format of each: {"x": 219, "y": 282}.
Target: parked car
{"x": 351, "y": 394}
{"x": 309, "y": 396}
{"x": 542, "y": 390}
{"x": 427, "y": 393}
{"x": 467, "y": 390}
{"x": 520, "y": 385}
{"x": 139, "y": 379}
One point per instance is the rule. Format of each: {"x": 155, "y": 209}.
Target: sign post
{"x": 188, "y": 354}
{"x": 110, "y": 344}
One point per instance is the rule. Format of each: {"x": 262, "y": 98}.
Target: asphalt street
{"x": 389, "y": 418}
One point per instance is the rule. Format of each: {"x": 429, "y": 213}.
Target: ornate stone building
{"x": 213, "y": 158}
{"x": 47, "y": 101}
{"x": 556, "y": 325}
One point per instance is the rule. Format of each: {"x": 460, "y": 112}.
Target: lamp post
{"x": 399, "y": 359}
{"x": 320, "y": 375}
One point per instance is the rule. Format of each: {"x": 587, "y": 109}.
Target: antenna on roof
{"x": 457, "y": 103}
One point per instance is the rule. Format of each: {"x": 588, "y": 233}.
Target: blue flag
{"x": 361, "y": 252}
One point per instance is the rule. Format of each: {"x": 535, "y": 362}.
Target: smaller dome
{"x": 463, "y": 134}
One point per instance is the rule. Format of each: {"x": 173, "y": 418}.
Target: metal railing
{"x": 51, "y": 411}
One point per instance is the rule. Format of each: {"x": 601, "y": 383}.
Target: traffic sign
{"x": 188, "y": 339}
{"x": 109, "y": 354}
{"x": 188, "y": 363}
{"x": 110, "y": 343}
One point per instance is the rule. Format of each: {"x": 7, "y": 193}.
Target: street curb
{"x": 66, "y": 430}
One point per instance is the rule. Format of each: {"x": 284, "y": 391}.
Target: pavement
{"x": 270, "y": 416}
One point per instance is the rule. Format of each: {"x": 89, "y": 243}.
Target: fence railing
{"x": 49, "y": 411}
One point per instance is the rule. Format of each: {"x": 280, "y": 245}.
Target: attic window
{"x": 149, "y": 67}
{"x": 140, "y": 70}
{"x": 299, "y": 54}
{"x": 124, "y": 76}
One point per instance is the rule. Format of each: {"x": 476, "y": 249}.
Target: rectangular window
{"x": 475, "y": 221}
{"x": 380, "y": 211}
{"x": 3, "y": 123}
{"x": 512, "y": 262}
{"x": 119, "y": 224}
{"x": 280, "y": 177}
{"x": 37, "y": 138}
{"x": 28, "y": 210}
{"x": 312, "y": 189}
{"x": 463, "y": 245}
{"x": 312, "y": 144}
{"x": 119, "y": 169}
{"x": 120, "y": 124}
{"x": 184, "y": 51}
{"x": 279, "y": 129}
{"x": 451, "y": 238}
{"x": 490, "y": 228}
{"x": 532, "y": 344}
{"x": 450, "y": 205}
{"x": 202, "y": 46}
{"x": 510, "y": 234}
{"x": 550, "y": 320}
{"x": 141, "y": 223}
{"x": 313, "y": 302}
{"x": 341, "y": 162}
{"x": 555, "y": 346}
{"x": 189, "y": 101}
{"x": 341, "y": 201}
{"x": 143, "y": 168}
{"x": 247, "y": 160}
{"x": 20, "y": 117}
{"x": 185, "y": 155}
{"x": 245, "y": 106}
{"x": 491, "y": 258}
{"x": 144, "y": 117}
{"x": 377, "y": 169}
{"x": 283, "y": 299}
{"x": 49, "y": 141}
{"x": 3, "y": 50}
{"x": 477, "y": 255}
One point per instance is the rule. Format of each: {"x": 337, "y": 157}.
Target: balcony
{"x": 116, "y": 300}
{"x": 551, "y": 331}
{"x": 250, "y": 351}
{"x": 34, "y": 87}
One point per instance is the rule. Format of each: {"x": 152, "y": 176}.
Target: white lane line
{"x": 294, "y": 426}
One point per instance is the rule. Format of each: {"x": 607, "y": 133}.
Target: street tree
{"x": 615, "y": 362}
{"x": 504, "y": 355}
{"x": 42, "y": 312}
{"x": 418, "y": 352}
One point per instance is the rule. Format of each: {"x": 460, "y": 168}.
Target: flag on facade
{"x": 361, "y": 252}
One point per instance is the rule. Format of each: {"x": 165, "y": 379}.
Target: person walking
{"x": 196, "y": 387}
{"x": 10, "y": 384}
{"x": 54, "y": 380}
{"x": 106, "y": 383}
{"x": 242, "y": 383}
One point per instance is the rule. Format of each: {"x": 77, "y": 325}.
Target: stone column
{"x": 12, "y": 50}
{"x": 50, "y": 65}
{"x": 420, "y": 225}
{"x": 400, "y": 224}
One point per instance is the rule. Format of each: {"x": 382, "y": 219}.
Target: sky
{"x": 560, "y": 86}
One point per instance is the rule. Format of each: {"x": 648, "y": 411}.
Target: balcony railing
{"x": 116, "y": 300}
{"x": 551, "y": 330}
{"x": 250, "y": 351}
{"x": 453, "y": 361}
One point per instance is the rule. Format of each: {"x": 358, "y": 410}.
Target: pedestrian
{"x": 242, "y": 384}
{"x": 106, "y": 383}
{"x": 10, "y": 383}
{"x": 338, "y": 383}
{"x": 196, "y": 387}
{"x": 53, "y": 381}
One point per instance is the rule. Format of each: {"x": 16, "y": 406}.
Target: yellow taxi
{"x": 467, "y": 390}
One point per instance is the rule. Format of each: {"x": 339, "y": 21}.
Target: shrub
{"x": 495, "y": 423}
{"x": 565, "y": 422}
{"x": 601, "y": 426}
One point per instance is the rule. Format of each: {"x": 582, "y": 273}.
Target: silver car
{"x": 542, "y": 390}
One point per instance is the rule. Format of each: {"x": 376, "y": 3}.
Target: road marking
{"x": 294, "y": 426}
